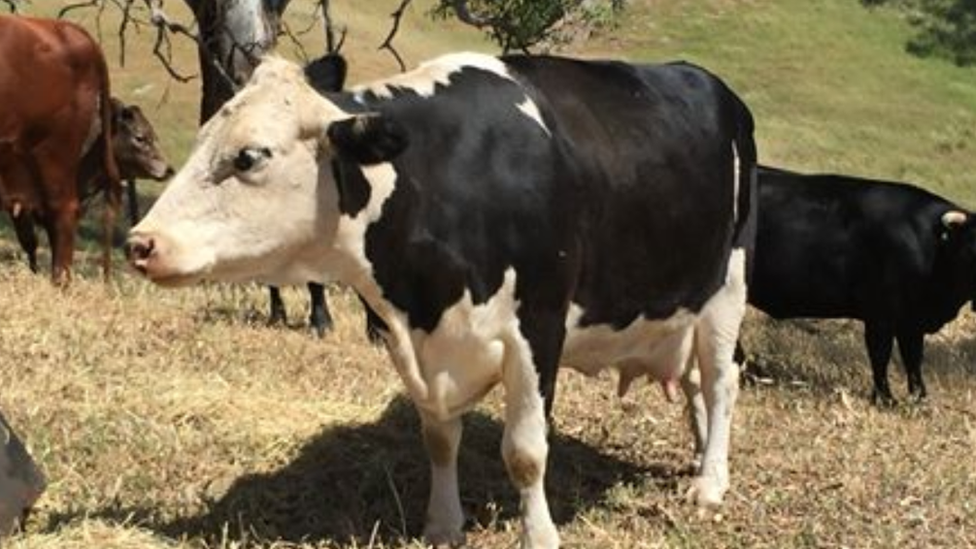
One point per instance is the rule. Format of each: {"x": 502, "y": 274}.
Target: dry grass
{"x": 177, "y": 419}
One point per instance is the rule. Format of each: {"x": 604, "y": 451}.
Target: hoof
{"x": 437, "y": 537}
{"x": 883, "y": 399}
{"x": 705, "y": 492}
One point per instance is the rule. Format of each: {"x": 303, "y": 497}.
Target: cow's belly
{"x": 657, "y": 348}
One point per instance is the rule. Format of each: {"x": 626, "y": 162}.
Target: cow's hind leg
{"x": 695, "y": 408}
{"x": 445, "y": 518}
{"x": 911, "y": 345}
{"x": 879, "y": 340}
{"x": 716, "y": 334}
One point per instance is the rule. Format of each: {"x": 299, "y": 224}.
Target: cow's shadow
{"x": 368, "y": 483}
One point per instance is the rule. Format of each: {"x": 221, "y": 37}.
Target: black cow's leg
{"x": 24, "y": 226}
{"x": 879, "y": 340}
{"x": 133, "y": 199}
{"x": 319, "y": 317}
{"x": 277, "y": 313}
{"x": 911, "y": 344}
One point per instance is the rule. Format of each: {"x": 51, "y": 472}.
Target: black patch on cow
{"x": 354, "y": 189}
{"x": 369, "y": 138}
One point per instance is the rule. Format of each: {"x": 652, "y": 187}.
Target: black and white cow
{"x": 501, "y": 217}
{"x": 894, "y": 256}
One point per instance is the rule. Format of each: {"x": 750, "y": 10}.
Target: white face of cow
{"x": 256, "y": 200}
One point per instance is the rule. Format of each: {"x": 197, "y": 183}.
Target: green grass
{"x": 176, "y": 419}
{"x": 829, "y": 83}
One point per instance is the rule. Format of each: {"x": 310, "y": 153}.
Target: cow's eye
{"x": 249, "y": 157}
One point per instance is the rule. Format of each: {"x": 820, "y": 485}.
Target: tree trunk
{"x": 234, "y": 34}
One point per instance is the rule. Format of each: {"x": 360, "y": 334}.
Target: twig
{"x": 163, "y": 26}
{"x": 71, "y": 7}
{"x": 388, "y": 43}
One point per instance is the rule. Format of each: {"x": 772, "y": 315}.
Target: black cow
{"x": 501, "y": 217}
{"x": 900, "y": 259}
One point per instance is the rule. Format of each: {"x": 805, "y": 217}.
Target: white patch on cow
{"x": 736, "y": 168}
{"x": 462, "y": 358}
{"x": 424, "y": 79}
{"x": 656, "y": 348}
{"x": 530, "y": 109}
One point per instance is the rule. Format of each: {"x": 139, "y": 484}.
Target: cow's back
{"x": 834, "y": 246}
{"x": 653, "y": 148}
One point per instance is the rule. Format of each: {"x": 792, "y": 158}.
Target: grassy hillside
{"x": 177, "y": 419}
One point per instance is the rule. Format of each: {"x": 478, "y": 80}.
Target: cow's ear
{"x": 327, "y": 73}
{"x": 368, "y": 138}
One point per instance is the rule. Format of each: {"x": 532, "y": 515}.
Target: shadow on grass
{"x": 351, "y": 484}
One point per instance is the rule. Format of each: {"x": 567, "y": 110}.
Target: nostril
{"x": 141, "y": 248}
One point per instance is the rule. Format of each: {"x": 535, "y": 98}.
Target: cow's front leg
{"x": 445, "y": 518}
{"x": 524, "y": 446}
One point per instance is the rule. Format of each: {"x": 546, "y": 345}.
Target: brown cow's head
{"x": 135, "y": 144}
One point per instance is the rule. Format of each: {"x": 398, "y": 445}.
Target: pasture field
{"x": 177, "y": 419}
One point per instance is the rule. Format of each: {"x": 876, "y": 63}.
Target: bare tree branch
{"x": 388, "y": 43}
{"x": 71, "y": 7}
{"x": 164, "y": 25}
{"x": 12, "y": 4}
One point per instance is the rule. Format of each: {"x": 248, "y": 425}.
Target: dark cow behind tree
{"x": 55, "y": 117}
{"x": 137, "y": 151}
{"x": 900, "y": 259}
{"x": 137, "y": 155}
{"x": 501, "y": 217}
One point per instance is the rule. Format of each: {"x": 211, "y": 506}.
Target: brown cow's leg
{"x": 24, "y": 226}
{"x": 61, "y": 225}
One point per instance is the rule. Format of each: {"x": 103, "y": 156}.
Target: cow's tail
{"x": 746, "y": 159}
{"x": 112, "y": 180}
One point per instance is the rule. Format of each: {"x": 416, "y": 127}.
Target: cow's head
{"x": 136, "y": 146}
{"x": 958, "y": 236}
{"x": 21, "y": 482}
{"x": 258, "y": 197}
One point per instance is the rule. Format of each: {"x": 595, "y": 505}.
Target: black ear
{"x": 368, "y": 138}
{"x": 327, "y": 73}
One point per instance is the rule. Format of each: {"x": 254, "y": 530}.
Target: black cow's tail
{"x": 744, "y": 235}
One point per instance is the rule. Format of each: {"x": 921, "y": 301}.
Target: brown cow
{"x": 55, "y": 116}
{"x": 137, "y": 154}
